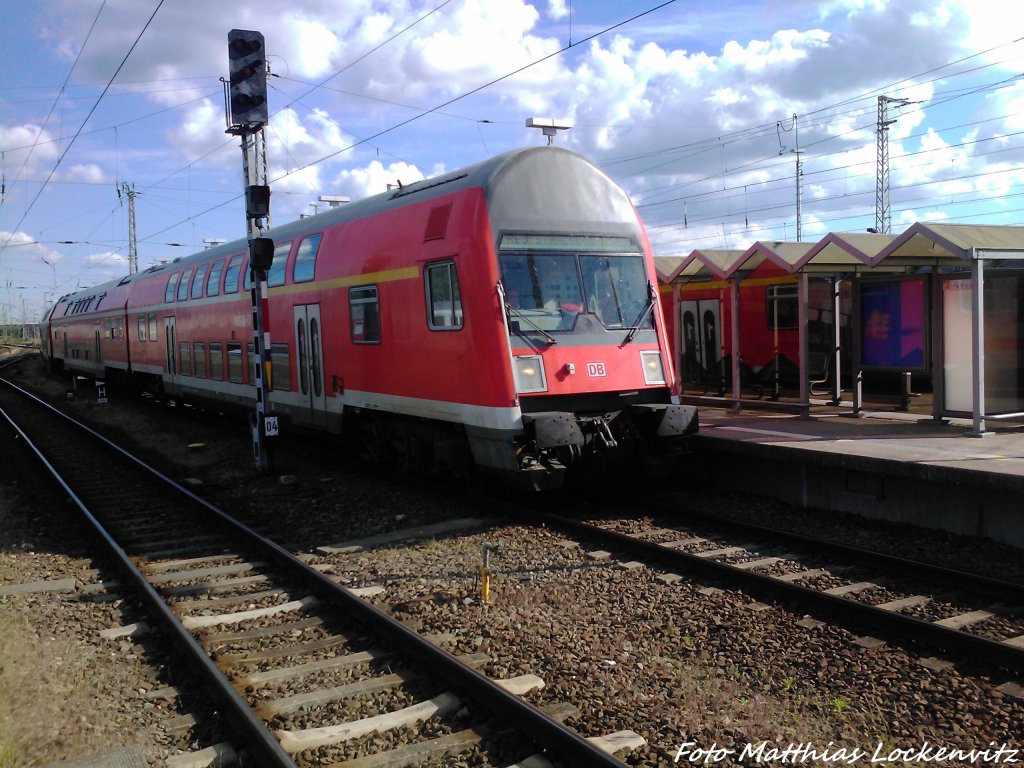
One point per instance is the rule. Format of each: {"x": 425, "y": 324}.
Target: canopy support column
{"x": 837, "y": 389}
{"x": 802, "y": 320}
{"x": 978, "y": 341}
{"x": 734, "y": 312}
{"x": 938, "y": 366}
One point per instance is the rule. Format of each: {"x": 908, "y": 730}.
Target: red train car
{"x": 699, "y": 316}
{"x": 503, "y": 315}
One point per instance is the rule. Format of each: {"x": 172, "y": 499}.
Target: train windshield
{"x": 549, "y": 290}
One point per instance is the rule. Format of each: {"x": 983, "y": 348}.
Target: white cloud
{"x": 375, "y": 178}
{"x": 558, "y": 9}
{"x": 311, "y": 46}
{"x": 85, "y": 172}
{"x": 106, "y": 265}
{"x": 26, "y": 145}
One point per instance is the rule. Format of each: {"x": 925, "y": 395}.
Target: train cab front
{"x": 588, "y": 362}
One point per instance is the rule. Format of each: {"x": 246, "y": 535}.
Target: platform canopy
{"x": 933, "y": 244}
{"x": 667, "y": 266}
{"x": 785, "y": 255}
{"x": 702, "y": 264}
{"x": 843, "y": 252}
{"x": 933, "y": 247}
{"x": 976, "y": 247}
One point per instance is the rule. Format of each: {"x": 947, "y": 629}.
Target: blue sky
{"x": 689, "y": 106}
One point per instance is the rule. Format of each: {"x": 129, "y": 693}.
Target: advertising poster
{"x": 892, "y": 314}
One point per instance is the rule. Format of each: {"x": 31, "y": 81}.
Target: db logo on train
{"x": 596, "y": 370}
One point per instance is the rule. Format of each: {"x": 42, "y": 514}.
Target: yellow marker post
{"x": 485, "y": 570}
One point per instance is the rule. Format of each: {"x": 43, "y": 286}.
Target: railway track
{"x": 289, "y": 654}
{"x": 970, "y": 615}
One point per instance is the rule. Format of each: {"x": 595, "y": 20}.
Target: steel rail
{"x": 993, "y": 652}
{"x": 963, "y": 580}
{"x": 259, "y": 739}
{"x": 517, "y": 712}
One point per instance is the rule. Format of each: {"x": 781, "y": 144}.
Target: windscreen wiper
{"x": 550, "y": 339}
{"x": 643, "y": 315}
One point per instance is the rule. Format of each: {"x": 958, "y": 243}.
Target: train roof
{"x": 562, "y": 169}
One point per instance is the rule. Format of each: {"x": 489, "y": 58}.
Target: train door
{"x": 700, "y": 333}
{"x": 309, "y": 363}
{"x": 170, "y": 345}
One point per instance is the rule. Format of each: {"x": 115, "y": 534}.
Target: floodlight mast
{"x": 549, "y": 126}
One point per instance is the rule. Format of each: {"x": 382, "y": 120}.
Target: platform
{"x": 885, "y": 464}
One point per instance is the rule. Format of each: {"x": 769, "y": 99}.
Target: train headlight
{"x": 529, "y": 371}
{"x": 654, "y": 370}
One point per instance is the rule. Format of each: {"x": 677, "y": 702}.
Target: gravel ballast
{"x": 689, "y": 662}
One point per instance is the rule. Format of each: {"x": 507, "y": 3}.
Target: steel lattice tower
{"x": 883, "y": 214}
{"x": 133, "y": 254}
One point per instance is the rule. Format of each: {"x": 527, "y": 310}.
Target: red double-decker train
{"x": 502, "y": 316}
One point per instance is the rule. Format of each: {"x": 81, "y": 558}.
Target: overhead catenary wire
{"x": 432, "y": 109}
{"x": 716, "y": 142}
{"x": 71, "y": 143}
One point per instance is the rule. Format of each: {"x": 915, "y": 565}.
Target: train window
{"x": 280, "y": 367}
{"x": 199, "y": 358}
{"x": 172, "y": 286}
{"x": 183, "y": 285}
{"x": 236, "y": 364}
{"x": 213, "y": 281}
{"x": 231, "y": 275}
{"x": 616, "y": 289}
{"x": 198, "y": 280}
{"x": 216, "y": 361}
{"x": 141, "y": 320}
{"x": 185, "y": 358}
{"x": 151, "y": 319}
{"x": 364, "y": 314}
{"x": 542, "y": 289}
{"x": 305, "y": 259}
{"x": 444, "y": 304}
{"x": 277, "y": 273}
{"x": 781, "y": 307}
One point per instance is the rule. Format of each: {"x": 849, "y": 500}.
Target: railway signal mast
{"x": 246, "y": 110}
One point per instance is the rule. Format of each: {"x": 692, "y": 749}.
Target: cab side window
{"x": 444, "y": 304}
{"x": 364, "y": 314}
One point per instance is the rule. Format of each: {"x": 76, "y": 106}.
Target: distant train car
{"x": 700, "y": 330}
{"x": 503, "y": 315}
